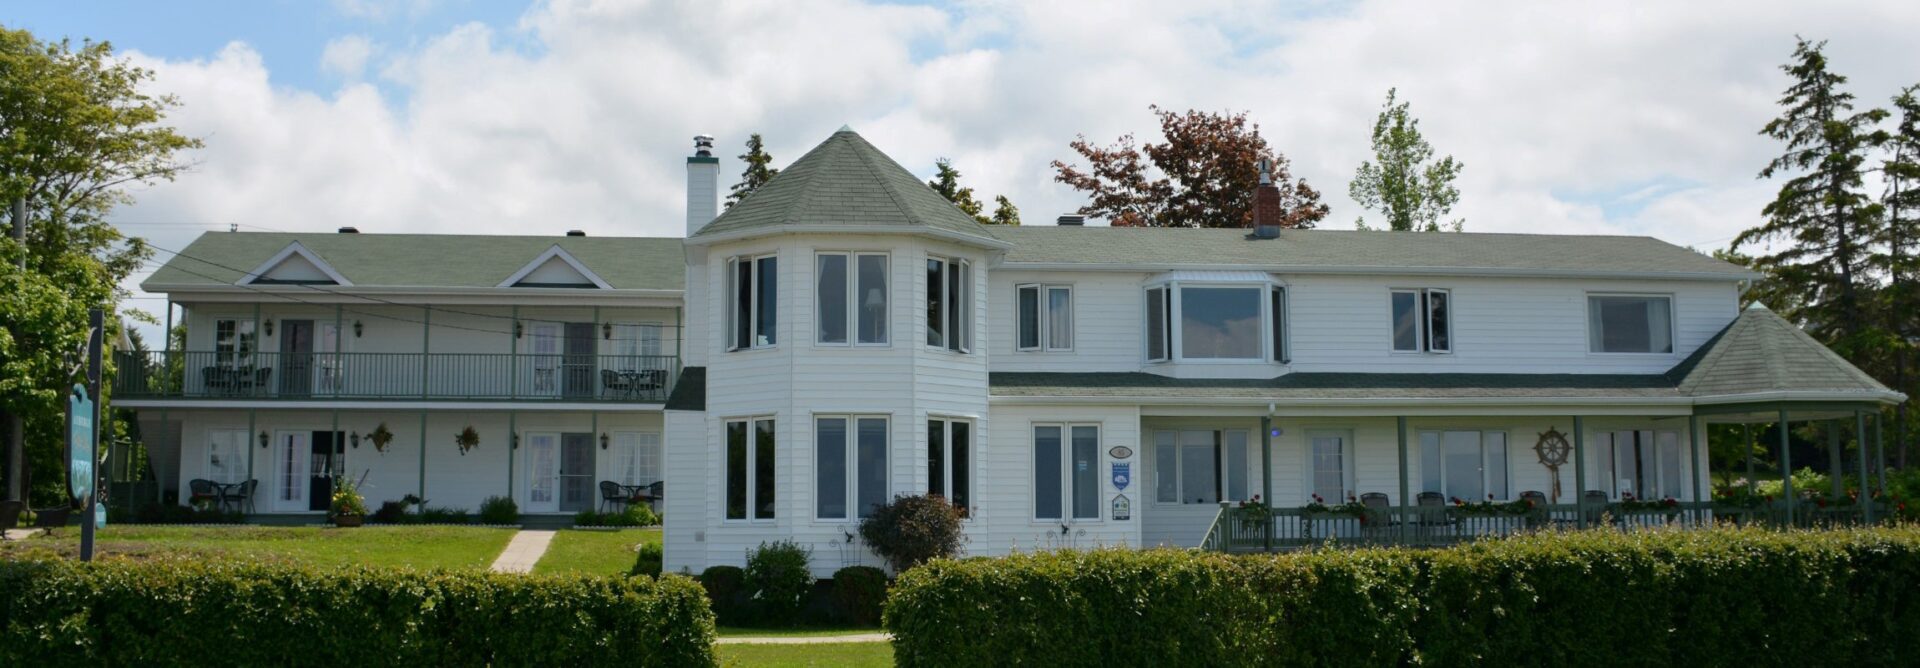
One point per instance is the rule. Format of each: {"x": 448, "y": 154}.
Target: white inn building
{"x": 845, "y": 335}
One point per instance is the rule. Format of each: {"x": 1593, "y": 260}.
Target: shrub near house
{"x": 1722, "y": 597}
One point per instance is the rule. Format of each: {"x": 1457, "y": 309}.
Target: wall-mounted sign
{"x": 1122, "y": 475}
{"x": 1122, "y": 508}
{"x": 1120, "y": 452}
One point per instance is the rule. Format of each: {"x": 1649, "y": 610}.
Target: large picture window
{"x": 1044, "y": 317}
{"x": 1200, "y": 466}
{"x": 1211, "y": 321}
{"x": 753, "y": 286}
{"x": 1629, "y": 324}
{"x": 850, "y": 465}
{"x": 1644, "y": 463}
{"x": 1464, "y": 464}
{"x": 750, "y": 464}
{"x": 1422, "y": 321}
{"x": 949, "y": 308}
{"x": 1066, "y": 477}
{"x": 850, "y": 295}
{"x": 950, "y": 461}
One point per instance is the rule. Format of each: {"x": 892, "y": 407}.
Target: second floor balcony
{"x": 376, "y": 376}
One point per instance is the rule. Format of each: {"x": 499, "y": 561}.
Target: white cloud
{"x": 579, "y": 117}
{"x": 381, "y": 10}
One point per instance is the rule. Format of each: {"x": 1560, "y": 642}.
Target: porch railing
{"x": 1237, "y": 529}
{"x": 462, "y": 376}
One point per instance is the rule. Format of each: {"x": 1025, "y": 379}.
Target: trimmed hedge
{"x": 179, "y": 612}
{"x": 1720, "y": 597}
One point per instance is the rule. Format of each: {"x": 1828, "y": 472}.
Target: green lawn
{"x": 594, "y": 552}
{"x": 802, "y": 632}
{"x": 823, "y": 654}
{"x": 419, "y": 547}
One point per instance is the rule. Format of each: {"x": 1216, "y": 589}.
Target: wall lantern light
{"x": 269, "y": 326}
{"x": 353, "y": 439}
{"x": 606, "y": 330}
{"x": 603, "y": 440}
{"x": 356, "y": 329}
{"x": 515, "y": 441}
{"x": 263, "y": 438}
{"x": 516, "y": 329}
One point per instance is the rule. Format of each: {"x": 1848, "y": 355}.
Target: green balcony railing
{"x": 433, "y": 376}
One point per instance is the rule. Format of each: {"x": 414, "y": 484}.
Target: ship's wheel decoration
{"x": 1553, "y": 449}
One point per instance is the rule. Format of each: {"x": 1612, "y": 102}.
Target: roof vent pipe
{"x": 576, "y": 233}
{"x": 1071, "y": 220}
{"x": 349, "y": 230}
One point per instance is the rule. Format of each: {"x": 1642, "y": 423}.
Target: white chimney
{"x": 703, "y": 185}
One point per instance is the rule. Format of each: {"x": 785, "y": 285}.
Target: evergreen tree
{"x": 1407, "y": 186}
{"x": 758, "y": 172}
{"x": 1005, "y": 213}
{"x": 1825, "y": 222}
{"x": 1901, "y": 202}
{"x": 946, "y": 181}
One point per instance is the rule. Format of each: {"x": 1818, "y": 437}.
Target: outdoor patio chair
{"x": 614, "y": 383}
{"x": 1539, "y": 515}
{"x": 611, "y": 494}
{"x": 51, "y": 519}
{"x": 1433, "y": 510}
{"x": 655, "y": 489}
{"x": 1379, "y": 510}
{"x": 241, "y": 496}
{"x": 9, "y": 516}
{"x": 1596, "y": 506}
{"x": 202, "y": 490}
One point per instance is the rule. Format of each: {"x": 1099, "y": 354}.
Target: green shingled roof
{"x": 844, "y": 182}
{"x": 1353, "y": 250}
{"x": 1759, "y": 353}
{"x": 426, "y": 260}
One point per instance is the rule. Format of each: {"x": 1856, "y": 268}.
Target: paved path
{"x": 806, "y": 640}
{"x": 17, "y": 534}
{"x": 523, "y": 551}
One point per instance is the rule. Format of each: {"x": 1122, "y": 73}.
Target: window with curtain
{"x": 753, "y": 286}
{"x": 226, "y": 455}
{"x": 1629, "y": 324}
{"x": 1201, "y": 466}
{"x": 1331, "y": 467}
{"x": 635, "y": 345}
{"x": 850, "y": 465}
{"x": 1044, "y": 317}
{"x": 636, "y": 457}
{"x": 1465, "y": 464}
{"x": 850, "y": 298}
{"x": 1645, "y": 463}
{"x": 949, "y": 461}
{"x": 1422, "y": 320}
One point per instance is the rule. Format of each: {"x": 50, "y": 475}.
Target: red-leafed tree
{"x": 1203, "y": 175}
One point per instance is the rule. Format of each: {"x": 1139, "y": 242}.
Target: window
{"x": 1199, "y": 322}
{"x": 1045, "y": 317}
{"x": 1331, "y": 466}
{"x": 855, "y": 303}
{"x": 1159, "y": 324}
{"x": 226, "y": 455}
{"x": 1422, "y": 321}
{"x": 1066, "y": 459}
{"x": 849, "y": 470}
{"x": 635, "y": 345}
{"x": 1200, "y": 466}
{"x": 753, "y": 284}
{"x": 1629, "y": 324}
{"x": 636, "y": 457}
{"x": 949, "y": 309}
{"x": 234, "y": 342}
{"x": 1464, "y": 464}
{"x": 750, "y": 469}
{"x": 1643, "y": 463}
{"x": 1277, "y": 308}
{"x": 950, "y": 461}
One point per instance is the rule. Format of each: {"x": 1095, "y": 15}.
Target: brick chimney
{"x": 1266, "y": 205}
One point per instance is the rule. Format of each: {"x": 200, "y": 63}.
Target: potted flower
{"x": 348, "y": 509}
{"x": 1254, "y": 513}
{"x": 467, "y": 439}
{"x": 380, "y": 436}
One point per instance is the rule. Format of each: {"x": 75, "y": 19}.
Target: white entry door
{"x": 292, "y": 454}
{"x": 543, "y": 472}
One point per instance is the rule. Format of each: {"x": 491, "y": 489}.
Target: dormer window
{"x": 753, "y": 301}
{"x": 1216, "y": 321}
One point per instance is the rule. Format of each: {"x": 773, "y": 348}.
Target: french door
{"x": 543, "y": 472}
{"x": 292, "y": 452}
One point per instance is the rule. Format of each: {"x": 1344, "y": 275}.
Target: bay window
{"x": 1464, "y": 464}
{"x": 950, "y": 461}
{"x": 1200, "y": 466}
{"x": 949, "y": 307}
{"x": 1422, "y": 321}
{"x": 850, "y": 298}
{"x": 1193, "y": 321}
{"x": 753, "y": 289}
{"x": 850, "y": 465}
{"x": 750, "y": 467}
{"x": 1629, "y": 324}
{"x": 1043, "y": 317}
{"x": 1066, "y": 476}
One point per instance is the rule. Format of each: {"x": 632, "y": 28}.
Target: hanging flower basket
{"x": 380, "y": 436}
{"x": 467, "y": 439}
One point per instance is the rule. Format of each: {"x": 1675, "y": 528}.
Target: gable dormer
{"x": 555, "y": 268}
{"x": 295, "y": 265}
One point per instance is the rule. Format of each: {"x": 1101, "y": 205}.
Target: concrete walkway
{"x": 17, "y": 534}
{"x": 806, "y": 640}
{"x": 523, "y": 552}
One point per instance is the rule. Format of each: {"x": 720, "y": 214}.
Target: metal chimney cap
{"x": 576, "y": 233}
{"x": 349, "y": 230}
{"x": 703, "y": 146}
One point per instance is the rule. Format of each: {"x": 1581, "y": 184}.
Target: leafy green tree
{"x": 1901, "y": 202}
{"x": 1203, "y": 175}
{"x": 1004, "y": 212}
{"x": 76, "y": 130}
{"x": 1411, "y": 189}
{"x": 946, "y": 181}
{"x": 759, "y": 170}
{"x": 1823, "y": 220}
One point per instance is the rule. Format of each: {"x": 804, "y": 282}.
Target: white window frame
{"x": 236, "y": 358}
{"x": 732, "y": 302}
{"x": 1222, "y": 466}
{"x": 752, "y": 456}
{"x": 214, "y": 436}
{"x": 1487, "y": 469}
{"x": 1066, "y": 474}
{"x": 854, "y": 290}
{"x": 956, "y": 334}
{"x": 1673, "y": 324}
{"x": 1044, "y": 327}
{"x": 1350, "y": 478}
{"x": 851, "y": 463}
{"x": 628, "y": 446}
{"x": 1175, "y": 312}
{"x": 1609, "y": 467}
{"x": 973, "y": 459}
{"x": 1423, "y": 322}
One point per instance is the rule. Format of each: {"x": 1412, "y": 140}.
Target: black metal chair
{"x": 1538, "y": 515}
{"x": 1596, "y": 506}
{"x": 51, "y": 519}
{"x": 1379, "y": 510}
{"x": 241, "y": 496}
{"x": 10, "y": 516}
{"x": 655, "y": 489}
{"x": 611, "y": 494}
{"x": 1433, "y": 510}
{"x": 615, "y": 383}
{"x": 202, "y": 490}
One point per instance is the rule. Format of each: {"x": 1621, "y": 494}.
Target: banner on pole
{"x": 80, "y": 409}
